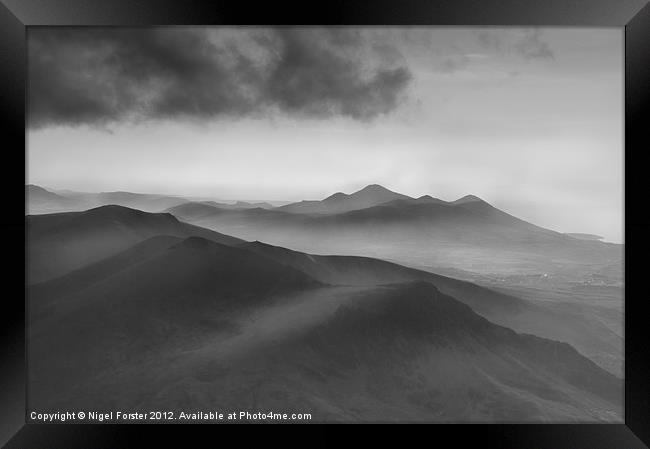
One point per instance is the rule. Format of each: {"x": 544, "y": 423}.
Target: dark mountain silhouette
{"x": 133, "y": 304}
{"x": 93, "y": 273}
{"x": 354, "y": 270}
{"x": 185, "y": 317}
{"x": 59, "y": 243}
{"x": 409, "y": 348}
{"x": 173, "y": 267}
{"x": 472, "y": 236}
{"x": 590, "y": 336}
{"x": 73, "y": 240}
{"x": 400, "y": 351}
{"x": 369, "y": 196}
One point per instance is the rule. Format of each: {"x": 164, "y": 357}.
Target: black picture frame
{"x": 633, "y": 15}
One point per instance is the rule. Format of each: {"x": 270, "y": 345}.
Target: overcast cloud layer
{"x": 91, "y": 75}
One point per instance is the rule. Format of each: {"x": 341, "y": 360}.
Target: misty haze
{"x": 362, "y": 224}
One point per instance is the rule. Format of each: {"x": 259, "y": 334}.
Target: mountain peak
{"x": 468, "y": 199}
{"x": 430, "y": 199}
{"x": 113, "y": 209}
{"x": 336, "y": 197}
{"x": 33, "y": 188}
{"x": 375, "y": 194}
{"x": 371, "y": 195}
{"x": 118, "y": 213}
{"x": 375, "y": 188}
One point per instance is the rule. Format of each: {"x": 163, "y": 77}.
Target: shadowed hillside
{"x": 59, "y": 243}
{"x": 163, "y": 291}
{"x": 396, "y": 352}
{"x": 183, "y": 317}
{"x": 589, "y": 334}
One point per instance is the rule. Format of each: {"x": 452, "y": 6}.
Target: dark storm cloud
{"x": 97, "y": 76}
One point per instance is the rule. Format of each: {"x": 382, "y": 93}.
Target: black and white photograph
{"x": 354, "y": 224}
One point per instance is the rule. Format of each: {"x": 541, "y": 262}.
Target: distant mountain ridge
{"x": 41, "y": 193}
{"x": 369, "y": 196}
{"x": 43, "y": 201}
{"x": 425, "y": 232}
{"x": 373, "y": 202}
{"x": 421, "y": 232}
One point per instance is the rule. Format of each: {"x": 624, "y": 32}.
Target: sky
{"x": 531, "y": 120}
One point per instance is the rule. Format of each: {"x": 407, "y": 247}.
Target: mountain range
{"x": 369, "y": 196}
{"x": 141, "y": 310}
{"x": 41, "y": 201}
{"x": 467, "y": 234}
